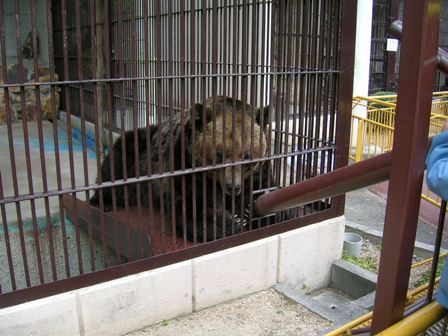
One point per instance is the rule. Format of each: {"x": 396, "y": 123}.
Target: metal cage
{"x": 92, "y": 72}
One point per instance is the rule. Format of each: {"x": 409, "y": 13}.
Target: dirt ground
{"x": 265, "y": 313}
{"x": 372, "y": 251}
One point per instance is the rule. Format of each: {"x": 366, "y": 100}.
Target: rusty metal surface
{"x": 417, "y": 73}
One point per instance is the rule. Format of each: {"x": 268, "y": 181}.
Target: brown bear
{"x": 209, "y": 203}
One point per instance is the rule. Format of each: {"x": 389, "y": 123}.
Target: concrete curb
{"x": 422, "y": 250}
{"x": 334, "y": 303}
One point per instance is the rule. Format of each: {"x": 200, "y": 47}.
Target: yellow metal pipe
{"x": 373, "y": 122}
{"x": 417, "y": 322}
{"x": 345, "y": 329}
{"x": 377, "y": 101}
{"x": 430, "y": 200}
{"x": 427, "y": 261}
{"x": 365, "y": 319}
{"x": 381, "y": 121}
{"x": 359, "y": 142}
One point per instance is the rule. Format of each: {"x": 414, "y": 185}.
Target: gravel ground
{"x": 265, "y": 313}
{"x": 372, "y": 251}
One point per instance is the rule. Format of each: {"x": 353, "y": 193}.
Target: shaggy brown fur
{"x": 218, "y": 124}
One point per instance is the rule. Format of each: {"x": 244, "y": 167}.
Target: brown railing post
{"x": 345, "y": 91}
{"x": 417, "y": 74}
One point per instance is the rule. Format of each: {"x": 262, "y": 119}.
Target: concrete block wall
{"x": 301, "y": 257}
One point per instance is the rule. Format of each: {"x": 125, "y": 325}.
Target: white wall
{"x": 301, "y": 258}
{"x": 362, "y": 58}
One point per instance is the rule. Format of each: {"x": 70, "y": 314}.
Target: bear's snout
{"x": 236, "y": 188}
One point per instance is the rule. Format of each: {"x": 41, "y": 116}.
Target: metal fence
{"x": 78, "y": 75}
{"x": 373, "y": 133}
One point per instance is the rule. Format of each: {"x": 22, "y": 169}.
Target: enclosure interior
{"x": 138, "y": 69}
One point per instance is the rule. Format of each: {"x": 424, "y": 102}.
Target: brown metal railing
{"x": 335, "y": 183}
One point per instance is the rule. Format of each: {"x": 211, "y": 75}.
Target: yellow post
{"x": 359, "y": 141}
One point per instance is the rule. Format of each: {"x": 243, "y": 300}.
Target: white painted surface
{"x": 123, "y": 305}
{"x": 53, "y": 316}
{"x": 302, "y": 257}
{"x": 229, "y": 274}
{"x": 306, "y": 255}
{"x": 362, "y": 48}
{"x": 362, "y": 58}
{"x": 392, "y": 45}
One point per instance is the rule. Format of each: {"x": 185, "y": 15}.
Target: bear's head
{"x": 229, "y": 132}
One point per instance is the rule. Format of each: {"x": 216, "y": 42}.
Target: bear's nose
{"x": 236, "y": 188}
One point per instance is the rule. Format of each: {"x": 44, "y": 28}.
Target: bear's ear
{"x": 262, "y": 116}
{"x": 198, "y": 112}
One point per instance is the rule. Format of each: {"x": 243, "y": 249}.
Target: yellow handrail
{"x": 376, "y": 100}
{"x": 373, "y": 135}
{"x": 411, "y": 297}
{"x": 416, "y": 322}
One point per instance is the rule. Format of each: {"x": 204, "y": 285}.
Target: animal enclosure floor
{"x": 43, "y": 165}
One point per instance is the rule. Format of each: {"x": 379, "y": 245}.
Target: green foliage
{"x": 425, "y": 276}
{"x": 367, "y": 263}
{"x": 383, "y": 93}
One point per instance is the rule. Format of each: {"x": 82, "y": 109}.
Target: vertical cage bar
{"x": 122, "y": 57}
{"x": 81, "y": 89}
{"x": 170, "y": 72}
{"x": 27, "y": 144}
{"x": 98, "y": 125}
{"x": 65, "y": 32}
{"x": 159, "y": 103}
{"x": 202, "y": 64}
{"x": 146, "y": 12}
{"x": 214, "y": 45}
{"x": 193, "y": 112}
{"x": 110, "y": 10}
{"x": 41, "y": 140}
{"x": 437, "y": 245}
{"x": 343, "y": 86}
{"x": 182, "y": 73}
{"x": 51, "y": 56}
{"x": 135, "y": 111}
{"x": 12, "y": 156}
{"x": 224, "y": 48}
{"x": 12, "y": 275}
